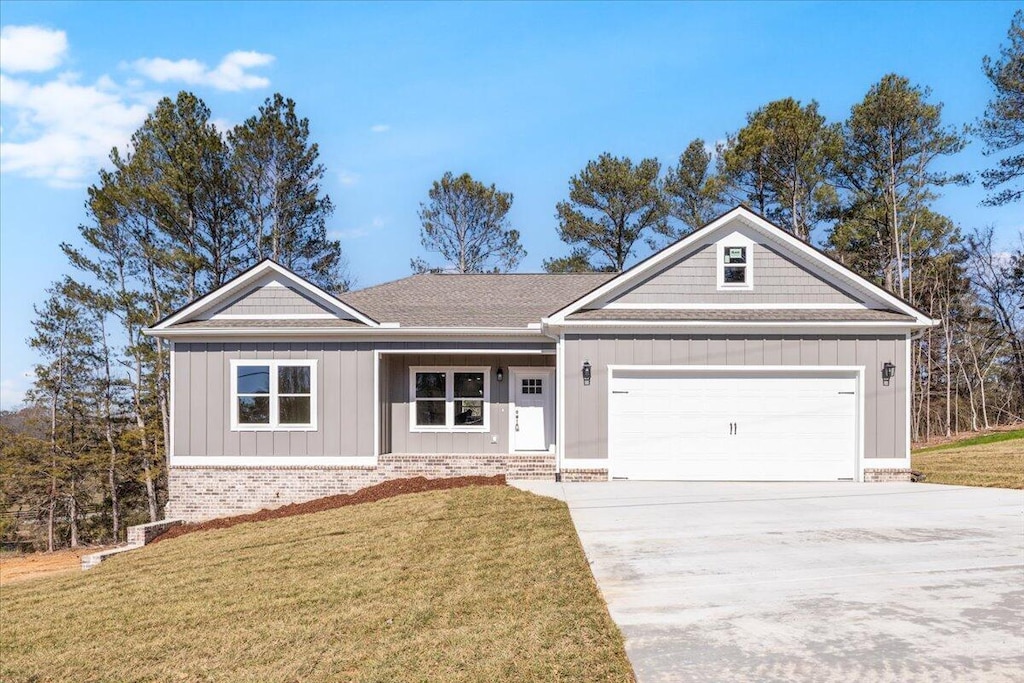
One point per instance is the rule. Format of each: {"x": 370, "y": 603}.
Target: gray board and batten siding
{"x": 345, "y": 408}
{"x": 586, "y": 407}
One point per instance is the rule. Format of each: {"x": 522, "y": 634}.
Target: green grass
{"x": 990, "y": 460}
{"x": 994, "y": 437}
{"x": 474, "y": 584}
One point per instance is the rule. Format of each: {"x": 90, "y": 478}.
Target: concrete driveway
{"x": 808, "y": 581}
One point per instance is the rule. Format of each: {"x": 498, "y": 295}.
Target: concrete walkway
{"x": 808, "y": 581}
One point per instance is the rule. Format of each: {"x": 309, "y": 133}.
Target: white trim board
{"x": 734, "y": 307}
{"x": 273, "y": 461}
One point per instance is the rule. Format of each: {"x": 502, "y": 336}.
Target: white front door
{"x": 531, "y": 410}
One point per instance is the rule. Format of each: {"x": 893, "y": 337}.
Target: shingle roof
{"x": 471, "y": 300}
{"x": 741, "y": 315}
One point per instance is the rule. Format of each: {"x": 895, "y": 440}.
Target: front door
{"x": 531, "y": 418}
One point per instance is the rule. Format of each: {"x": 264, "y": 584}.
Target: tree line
{"x": 190, "y": 206}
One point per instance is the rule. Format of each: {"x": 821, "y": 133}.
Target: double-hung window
{"x": 735, "y": 263}
{"x": 449, "y": 399}
{"x": 273, "y": 395}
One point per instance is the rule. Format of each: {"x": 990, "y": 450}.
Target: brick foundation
{"x": 572, "y": 475}
{"x": 199, "y": 493}
{"x": 883, "y": 475}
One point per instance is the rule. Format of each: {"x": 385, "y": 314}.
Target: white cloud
{"x": 31, "y": 48}
{"x": 231, "y": 74}
{"x": 380, "y": 128}
{"x": 12, "y": 390}
{"x": 359, "y": 231}
{"x": 347, "y": 178}
{"x": 63, "y": 130}
{"x": 60, "y": 128}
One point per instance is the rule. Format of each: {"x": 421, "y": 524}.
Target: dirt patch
{"x": 385, "y": 489}
{"x": 16, "y": 568}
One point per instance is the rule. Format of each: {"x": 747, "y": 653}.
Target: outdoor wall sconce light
{"x": 888, "y": 370}
{"x": 586, "y": 373}
{"x": 501, "y": 375}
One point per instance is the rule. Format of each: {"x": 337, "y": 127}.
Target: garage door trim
{"x": 854, "y": 371}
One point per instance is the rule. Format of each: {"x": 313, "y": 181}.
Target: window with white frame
{"x": 273, "y": 395}
{"x": 449, "y": 399}
{"x": 735, "y": 263}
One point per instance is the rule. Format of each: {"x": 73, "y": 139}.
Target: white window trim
{"x": 274, "y": 425}
{"x": 449, "y": 399}
{"x": 735, "y": 239}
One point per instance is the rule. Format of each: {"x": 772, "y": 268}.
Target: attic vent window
{"x": 735, "y": 269}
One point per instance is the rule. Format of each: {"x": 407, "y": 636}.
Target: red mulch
{"x": 385, "y": 489}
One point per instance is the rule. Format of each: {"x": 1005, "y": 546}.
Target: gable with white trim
{"x": 776, "y": 271}
{"x": 774, "y": 278}
{"x": 267, "y": 292}
{"x": 276, "y": 299}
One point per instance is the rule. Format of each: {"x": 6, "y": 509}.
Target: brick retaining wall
{"x": 199, "y": 493}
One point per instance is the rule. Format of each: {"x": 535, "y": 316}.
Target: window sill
{"x": 451, "y": 430}
{"x": 270, "y": 428}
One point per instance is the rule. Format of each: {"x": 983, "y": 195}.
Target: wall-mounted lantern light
{"x": 888, "y": 370}
{"x": 501, "y": 375}
{"x": 586, "y": 373}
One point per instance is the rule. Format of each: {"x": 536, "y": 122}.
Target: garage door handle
{"x": 619, "y": 392}
{"x": 851, "y": 393}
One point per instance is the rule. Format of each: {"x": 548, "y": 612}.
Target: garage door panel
{"x": 679, "y": 425}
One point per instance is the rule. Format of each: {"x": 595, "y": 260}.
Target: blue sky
{"x": 521, "y": 95}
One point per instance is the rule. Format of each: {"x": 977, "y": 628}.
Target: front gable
{"x": 773, "y": 277}
{"x": 271, "y": 297}
{"x": 739, "y": 262}
{"x": 266, "y": 294}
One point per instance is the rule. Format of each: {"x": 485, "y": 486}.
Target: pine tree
{"x": 612, "y": 204}
{"x": 466, "y": 223}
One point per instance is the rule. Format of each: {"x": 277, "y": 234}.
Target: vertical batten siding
{"x": 586, "y": 407}
{"x": 345, "y": 398}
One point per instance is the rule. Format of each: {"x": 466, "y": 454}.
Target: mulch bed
{"x": 385, "y": 489}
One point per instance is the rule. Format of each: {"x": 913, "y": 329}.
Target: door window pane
{"x": 294, "y": 410}
{"x": 293, "y": 379}
{"x": 254, "y": 410}
{"x": 253, "y": 379}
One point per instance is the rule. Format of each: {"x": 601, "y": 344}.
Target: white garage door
{"x": 732, "y": 425}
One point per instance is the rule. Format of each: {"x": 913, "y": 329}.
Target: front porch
{"x": 477, "y": 404}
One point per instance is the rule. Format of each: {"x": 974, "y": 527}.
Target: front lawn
{"x": 990, "y": 460}
{"x": 473, "y": 584}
